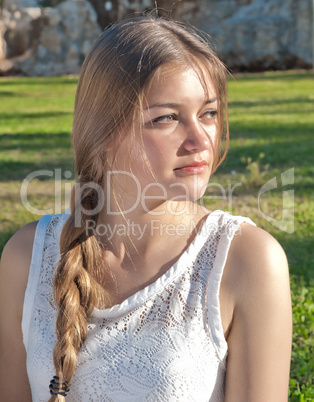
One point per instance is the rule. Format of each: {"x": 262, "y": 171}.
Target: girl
{"x": 139, "y": 293}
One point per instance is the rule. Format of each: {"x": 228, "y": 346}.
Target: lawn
{"x": 271, "y": 126}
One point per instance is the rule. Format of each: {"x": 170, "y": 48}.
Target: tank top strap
{"x": 47, "y": 235}
{"x": 228, "y": 227}
{"x": 33, "y": 276}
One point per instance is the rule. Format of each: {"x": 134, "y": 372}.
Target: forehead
{"x": 180, "y": 84}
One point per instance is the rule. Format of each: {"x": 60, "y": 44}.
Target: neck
{"x": 140, "y": 229}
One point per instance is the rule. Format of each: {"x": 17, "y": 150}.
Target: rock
{"x": 6, "y": 67}
{"x": 53, "y": 16}
{"x": 260, "y": 34}
{"x": 249, "y": 35}
{"x": 55, "y": 40}
{"x": 51, "y": 40}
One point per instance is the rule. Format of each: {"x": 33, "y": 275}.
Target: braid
{"x": 76, "y": 290}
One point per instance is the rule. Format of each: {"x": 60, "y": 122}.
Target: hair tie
{"x": 56, "y": 387}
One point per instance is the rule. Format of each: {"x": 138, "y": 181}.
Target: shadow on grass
{"x": 7, "y": 82}
{"x": 36, "y": 141}
{"x": 291, "y": 152}
{"x": 14, "y": 170}
{"x": 274, "y": 102}
{"x": 272, "y": 129}
{"x": 280, "y": 75}
{"x": 10, "y": 94}
{"x": 37, "y": 115}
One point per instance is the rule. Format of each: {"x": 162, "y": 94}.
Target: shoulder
{"x": 256, "y": 276}
{"x": 14, "y": 267}
{"x": 255, "y": 282}
{"x": 20, "y": 244}
{"x": 255, "y": 255}
{"x": 23, "y": 236}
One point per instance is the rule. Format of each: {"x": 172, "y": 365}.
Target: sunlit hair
{"x": 114, "y": 80}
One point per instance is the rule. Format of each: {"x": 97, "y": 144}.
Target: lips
{"x": 193, "y": 164}
{"x": 193, "y": 167}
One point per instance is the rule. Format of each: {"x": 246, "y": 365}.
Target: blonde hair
{"x": 114, "y": 77}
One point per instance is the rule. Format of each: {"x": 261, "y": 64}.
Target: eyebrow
{"x": 175, "y": 105}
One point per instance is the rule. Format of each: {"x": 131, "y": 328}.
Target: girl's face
{"x": 173, "y": 158}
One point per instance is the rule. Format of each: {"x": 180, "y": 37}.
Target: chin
{"x": 198, "y": 196}
{"x": 190, "y": 194}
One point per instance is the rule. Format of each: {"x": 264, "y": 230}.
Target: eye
{"x": 209, "y": 114}
{"x": 167, "y": 118}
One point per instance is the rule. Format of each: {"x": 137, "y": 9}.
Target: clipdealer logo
{"x": 286, "y": 222}
{"x": 63, "y": 188}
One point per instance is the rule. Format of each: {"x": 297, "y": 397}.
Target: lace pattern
{"x": 165, "y": 343}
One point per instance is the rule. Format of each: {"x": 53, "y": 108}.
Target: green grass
{"x": 36, "y": 118}
{"x": 271, "y": 125}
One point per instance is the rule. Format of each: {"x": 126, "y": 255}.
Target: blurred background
{"x": 52, "y": 37}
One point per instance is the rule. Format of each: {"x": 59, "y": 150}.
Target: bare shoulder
{"x": 14, "y": 266}
{"x": 255, "y": 258}
{"x": 256, "y": 269}
{"x": 25, "y": 231}
{"x": 20, "y": 244}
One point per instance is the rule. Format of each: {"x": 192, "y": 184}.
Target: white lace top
{"x": 164, "y": 343}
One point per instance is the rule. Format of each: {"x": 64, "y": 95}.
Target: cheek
{"x": 159, "y": 150}
{"x": 213, "y": 137}
{"x": 212, "y": 131}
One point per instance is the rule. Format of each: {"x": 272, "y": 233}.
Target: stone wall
{"x": 48, "y": 41}
{"x": 260, "y": 34}
{"x": 249, "y": 35}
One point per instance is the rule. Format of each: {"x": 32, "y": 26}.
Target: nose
{"x": 197, "y": 139}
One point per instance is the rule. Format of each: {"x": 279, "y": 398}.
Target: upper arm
{"x": 14, "y": 270}
{"x": 259, "y": 341}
